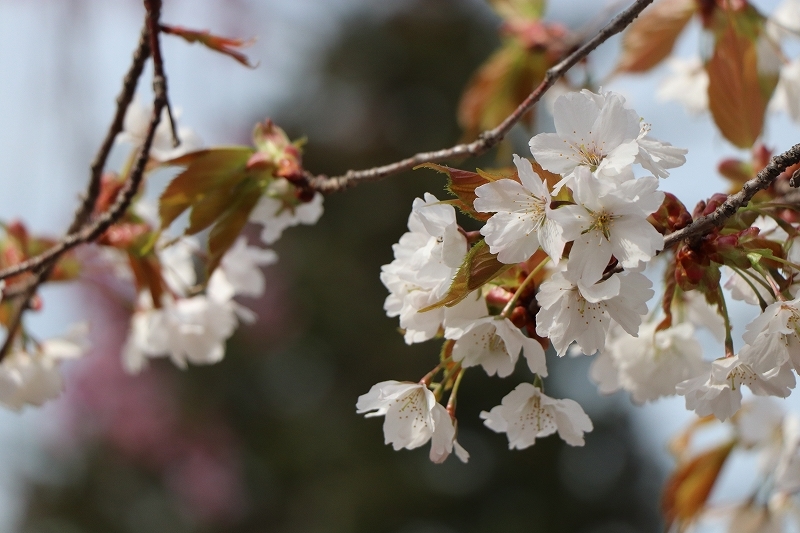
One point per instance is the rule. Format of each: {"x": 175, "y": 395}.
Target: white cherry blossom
{"x": 241, "y": 268}
{"x": 522, "y": 220}
{"x": 773, "y": 338}
{"x": 573, "y": 312}
{"x": 412, "y": 417}
{"x": 278, "y": 209}
{"x": 686, "y": 84}
{"x": 651, "y": 365}
{"x": 719, "y": 390}
{"x": 610, "y": 219}
{"x": 177, "y": 265}
{"x": 187, "y": 330}
{"x": 595, "y": 131}
{"x": 32, "y": 377}
{"x": 426, "y": 259}
{"x": 657, "y": 156}
{"x": 526, "y": 414}
{"x": 787, "y": 92}
{"x": 137, "y": 122}
{"x": 495, "y": 343}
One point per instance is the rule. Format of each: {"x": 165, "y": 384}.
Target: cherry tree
{"x": 578, "y": 237}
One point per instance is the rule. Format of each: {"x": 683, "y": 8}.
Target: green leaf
{"x": 479, "y": 267}
{"x": 231, "y": 223}
{"x": 519, "y": 9}
{"x": 206, "y": 172}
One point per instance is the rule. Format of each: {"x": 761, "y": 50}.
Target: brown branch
{"x": 487, "y": 139}
{"x": 81, "y": 230}
{"x": 777, "y": 165}
{"x": 160, "y": 79}
{"x": 123, "y": 102}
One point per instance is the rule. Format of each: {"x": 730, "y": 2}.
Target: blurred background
{"x": 268, "y": 440}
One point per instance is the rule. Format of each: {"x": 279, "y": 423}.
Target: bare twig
{"x": 160, "y": 78}
{"x": 123, "y": 102}
{"x": 81, "y": 230}
{"x": 490, "y": 138}
{"x": 763, "y": 179}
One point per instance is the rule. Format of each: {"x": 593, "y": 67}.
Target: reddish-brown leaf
{"x": 206, "y": 172}
{"x": 650, "y": 38}
{"x": 462, "y": 184}
{"x": 738, "y": 89}
{"x": 499, "y": 86}
{"x": 479, "y": 267}
{"x": 687, "y": 490}
{"x": 223, "y": 45}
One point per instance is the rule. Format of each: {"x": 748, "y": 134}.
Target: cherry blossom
{"x": 136, "y": 123}
{"x": 177, "y": 265}
{"x": 687, "y": 84}
{"x": 33, "y": 377}
{"x": 772, "y": 337}
{"x": 188, "y": 330}
{"x": 522, "y": 219}
{"x": 495, "y": 344}
{"x": 719, "y": 390}
{"x": 241, "y": 268}
{"x": 412, "y": 417}
{"x": 573, "y": 312}
{"x": 278, "y": 209}
{"x": 526, "y": 413}
{"x": 657, "y": 156}
{"x": 610, "y": 219}
{"x": 426, "y": 259}
{"x": 593, "y": 131}
{"x": 651, "y": 365}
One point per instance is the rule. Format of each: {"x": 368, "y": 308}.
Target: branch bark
{"x": 777, "y": 165}
{"x": 487, "y": 139}
{"x": 81, "y": 229}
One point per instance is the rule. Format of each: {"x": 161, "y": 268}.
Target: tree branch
{"x": 81, "y": 230}
{"x": 487, "y": 139}
{"x": 123, "y": 102}
{"x": 777, "y": 165}
{"x": 160, "y": 78}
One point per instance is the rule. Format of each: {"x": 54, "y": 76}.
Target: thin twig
{"x": 81, "y": 230}
{"x": 490, "y": 138}
{"x": 123, "y": 102}
{"x": 763, "y": 179}
{"x": 160, "y": 79}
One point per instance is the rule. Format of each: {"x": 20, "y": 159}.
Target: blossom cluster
{"x": 572, "y": 254}
{"x": 184, "y": 297}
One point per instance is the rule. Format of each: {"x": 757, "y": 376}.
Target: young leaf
{"x": 479, "y": 267}
{"x": 206, "y": 172}
{"x": 650, "y": 38}
{"x": 499, "y": 86}
{"x": 688, "y": 488}
{"x": 462, "y": 184}
{"x": 519, "y": 9}
{"x": 229, "y": 226}
{"x": 738, "y": 86}
{"x": 223, "y": 45}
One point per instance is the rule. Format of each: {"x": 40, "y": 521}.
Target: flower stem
{"x": 451, "y": 402}
{"x": 513, "y": 301}
{"x": 727, "y": 319}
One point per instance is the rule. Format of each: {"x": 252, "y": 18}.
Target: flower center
{"x": 601, "y": 222}
{"x": 590, "y": 155}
